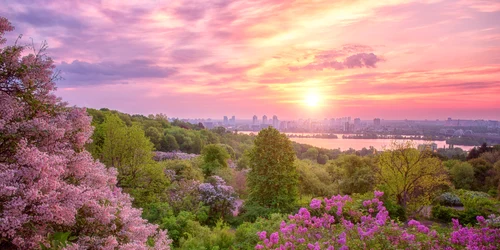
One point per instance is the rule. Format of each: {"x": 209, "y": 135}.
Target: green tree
{"x": 129, "y": 151}
{"x": 154, "y": 136}
{"x": 482, "y": 171}
{"x": 461, "y": 173}
{"x": 214, "y": 157}
{"x": 273, "y": 178}
{"x": 357, "y": 174}
{"x": 412, "y": 177}
{"x": 314, "y": 180}
{"x": 169, "y": 143}
{"x": 322, "y": 159}
{"x": 311, "y": 154}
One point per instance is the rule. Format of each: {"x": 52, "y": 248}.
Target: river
{"x": 357, "y": 144}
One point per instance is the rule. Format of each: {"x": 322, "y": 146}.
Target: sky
{"x": 393, "y": 59}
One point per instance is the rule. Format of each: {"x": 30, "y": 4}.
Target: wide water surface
{"x": 357, "y": 144}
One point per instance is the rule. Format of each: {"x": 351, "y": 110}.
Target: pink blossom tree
{"x": 48, "y": 182}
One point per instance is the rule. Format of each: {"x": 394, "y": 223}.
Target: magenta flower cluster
{"x": 340, "y": 223}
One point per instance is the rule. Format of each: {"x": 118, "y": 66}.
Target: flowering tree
{"x": 336, "y": 224}
{"x": 219, "y": 196}
{"x": 48, "y": 182}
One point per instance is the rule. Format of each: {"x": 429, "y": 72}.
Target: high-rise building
{"x": 347, "y": 127}
{"x": 264, "y": 119}
{"x": 376, "y": 121}
{"x": 276, "y": 122}
{"x": 357, "y": 121}
{"x": 254, "y": 120}
{"x": 226, "y": 121}
{"x": 232, "y": 122}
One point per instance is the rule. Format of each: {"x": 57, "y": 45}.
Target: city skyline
{"x": 398, "y": 59}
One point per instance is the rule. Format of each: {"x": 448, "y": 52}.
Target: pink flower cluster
{"x": 339, "y": 223}
{"x": 48, "y": 181}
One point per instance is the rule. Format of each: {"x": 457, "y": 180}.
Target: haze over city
{"x": 296, "y": 59}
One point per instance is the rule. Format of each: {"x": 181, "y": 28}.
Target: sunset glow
{"x": 312, "y": 99}
{"x": 390, "y": 59}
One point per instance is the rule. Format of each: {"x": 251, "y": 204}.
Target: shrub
{"x": 449, "y": 199}
{"x": 443, "y": 214}
{"x": 329, "y": 224}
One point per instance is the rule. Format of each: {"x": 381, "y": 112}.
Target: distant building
{"x": 232, "y": 121}
{"x": 226, "y": 121}
{"x": 208, "y": 124}
{"x": 276, "y": 122}
{"x": 264, "y": 119}
{"x": 347, "y": 127}
{"x": 254, "y": 120}
{"x": 376, "y": 121}
{"x": 357, "y": 121}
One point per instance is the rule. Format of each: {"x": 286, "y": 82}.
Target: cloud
{"x": 190, "y": 13}
{"x": 187, "y": 55}
{"x": 360, "y": 60}
{"x": 40, "y": 17}
{"x": 85, "y": 73}
{"x": 223, "y": 68}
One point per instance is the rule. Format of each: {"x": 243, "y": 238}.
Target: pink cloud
{"x": 424, "y": 59}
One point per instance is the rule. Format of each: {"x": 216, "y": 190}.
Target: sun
{"x": 312, "y": 100}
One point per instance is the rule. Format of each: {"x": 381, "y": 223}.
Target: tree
{"x": 322, "y": 159}
{"x": 154, "y": 136}
{"x": 357, "y": 174}
{"x": 214, "y": 157}
{"x": 49, "y": 183}
{"x": 311, "y": 154}
{"x": 412, "y": 177}
{"x": 273, "y": 179}
{"x": 482, "y": 172}
{"x": 314, "y": 180}
{"x": 219, "y": 196}
{"x": 462, "y": 174}
{"x": 169, "y": 143}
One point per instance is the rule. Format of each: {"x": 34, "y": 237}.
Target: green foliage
{"x": 155, "y": 136}
{"x": 246, "y": 234}
{"x": 474, "y": 204}
{"x": 184, "y": 169}
{"x": 353, "y": 173}
{"x": 250, "y": 212}
{"x": 189, "y": 141}
{"x": 322, "y": 159}
{"x": 203, "y": 238}
{"x": 396, "y": 212}
{"x": 58, "y": 240}
{"x": 311, "y": 154}
{"x": 127, "y": 149}
{"x": 314, "y": 180}
{"x": 244, "y": 161}
{"x": 273, "y": 178}
{"x": 169, "y": 143}
{"x": 412, "y": 177}
{"x": 481, "y": 174}
{"x": 444, "y": 214}
{"x": 461, "y": 173}
{"x": 214, "y": 157}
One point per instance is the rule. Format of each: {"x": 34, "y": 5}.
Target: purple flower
{"x": 262, "y": 235}
{"x": 315, "y": 204}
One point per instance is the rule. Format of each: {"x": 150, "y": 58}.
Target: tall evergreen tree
{"x": 273, "y": 178}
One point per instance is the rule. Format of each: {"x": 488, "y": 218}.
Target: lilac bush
{"x": 219, "y": 196}
{"x": 340, "y": 223}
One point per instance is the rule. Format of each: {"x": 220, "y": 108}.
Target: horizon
{"x": 394, "y": 60}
